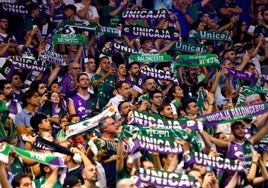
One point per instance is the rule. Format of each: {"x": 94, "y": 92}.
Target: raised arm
{"x": 120, "y": 156}
{"x": 260, "y": 134}
{"x": 220, "y": 143}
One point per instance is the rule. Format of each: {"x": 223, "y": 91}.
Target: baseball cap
{"x": 71, "y": 181}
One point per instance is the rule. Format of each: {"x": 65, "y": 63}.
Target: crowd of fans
{"x": 84, "y": 81}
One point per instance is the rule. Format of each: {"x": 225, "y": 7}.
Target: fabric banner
{"x": 48, "y": 46}
{"x": 145, "y": 14}
{"x": 28, "y": 63}
{"x": 4, "y": 151}
{"x": 243, "y": 75}
{"x": 151, "y": 33}
{"x": 14, "y": 8}
{"x": 249, "y": 90}
{"x": 7, "y": 68}
{"x": 72, "y": 25}
{"x": 197, "y": 60}
{"x": 75, "y": 39}
{"x": 264, "y": 78}
{"x": 52, "y": 57}
{"x": 44, "y": 158}
{"x": 214, "y": 162}
{"x": 159, "y": 74}
{"x": 160, "y": 140}
{"x": 165, "y": 179}
{"x": 211, "y": 35}
{"x": 145, "y": 120}
{"x": 88, "y": 124}
{"x": 44, "y": 144}
{"x": 233, "y": 115}
{"x": 123, "y": 49}
{"x": 107, "y": 32}
{"x": 189, "y": 48}
{"x": 200, "y": 100}
{"x": 150, "y": 57}
{"x": 8, "y": 1}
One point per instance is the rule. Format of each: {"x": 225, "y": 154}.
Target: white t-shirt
{"x": 92, "y": 11}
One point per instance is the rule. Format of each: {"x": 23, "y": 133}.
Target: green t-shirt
{"x": 121, "y": 174}
{"x": 41, "y": 181}
{"x": 17, "y": 166}
{"x": 193, "y": 9}
{"x": 108, "y": 20}
{"x": 104, "y": 89}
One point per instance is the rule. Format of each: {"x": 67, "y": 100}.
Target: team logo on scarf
{"x": 159, "y": 74}
{"x": 52, "y": 57}
{"x": 151, "y": 32}
{"x": 14, "y": 8}
{"x": 39, "y": 157}
{"x": 165, "y": 179}
{"x": 145, "y": 14}
{"x": 75, "y": 39}
{"x": 197, "y": 60}
{"x": 107, "y": 31}
{"x": 68, "y": 26}
{"x": 161, "y": 140}
{"x": 234, "y": 114}
{"x": 243, "y": 75}
{"x": 44, "y": 158}
{"x": 189, "y": 48}
{"x": 123, "y": 49}
{"x": 28, "y": 63}
{"x": 211, "y": 35}
{"x": 150, "y": 57}
{"x": 214, "y": 162}
{"x": 147, "y": 120}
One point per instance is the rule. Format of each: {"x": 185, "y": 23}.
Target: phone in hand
{"x": 208, "y": 169}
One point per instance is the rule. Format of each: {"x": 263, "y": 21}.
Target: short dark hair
{"x": 263, "y": 10}
{"x": 71, "y": 116}
{"x": 132, "y": 63}
{"x": 120, "y": 104}
{"x": 228, "y": 50}
{"x": 42, "y": 170}
{"x": 248, "y": 65}
{"x": 162, "y": 107}
{"x": 31, "y": 7}
{"x": 79, "y": 75}
{"x": 187, "y": 102}
{"x": 14, "y": 74}
{"x": 16, "y": 180}
{"x": 152, "y": 93}
{"x": 36, "y": 120}
{"x": 120, "y": 84}
{"x": 144, "y": 39}
{"x": 71, "y": 7}
{"x": 27, "y": 95}
{"x": 3, "y": 83}
{"x": 234, "y": 124}
{"x": 35, "y": 84}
